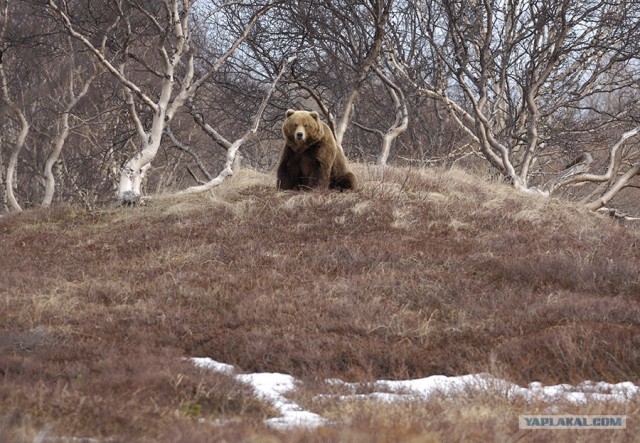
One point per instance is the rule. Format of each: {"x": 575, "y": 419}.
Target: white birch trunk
{"x": 343, "y": 124}
{"x": 50, "y": 185}
{"x": 620, "y": 184}
{"x": 401, "y": 122}
{"x": 12, "y": 166}
{"x": 134, "y": 170}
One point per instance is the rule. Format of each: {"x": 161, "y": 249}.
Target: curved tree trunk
{"x": 620, "y": 184}
{"x": 401, "y": 122}
{"x": 12, "y": 166}
{"x": 50, "y": 186}
{"x": 381, "y": 17}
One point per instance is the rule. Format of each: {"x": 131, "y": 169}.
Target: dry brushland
{"x": 420, "y": 272}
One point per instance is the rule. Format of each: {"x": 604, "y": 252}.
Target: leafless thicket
{"x": 128, "y": 97}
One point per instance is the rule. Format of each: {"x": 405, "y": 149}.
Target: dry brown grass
{"x": 420, "y": 272}
{"x": 480, "y": 418}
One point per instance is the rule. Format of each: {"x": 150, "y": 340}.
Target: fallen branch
{"x": 617, "y": 214}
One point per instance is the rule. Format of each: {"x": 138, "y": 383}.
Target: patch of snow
{"x": 272, "y": 386}
{"x": 213, "y": 365}
{"x": 583, "y": 393}
{"x": 455, "y": 386}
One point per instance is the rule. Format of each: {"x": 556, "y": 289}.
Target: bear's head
{"x": 302, "y": 129}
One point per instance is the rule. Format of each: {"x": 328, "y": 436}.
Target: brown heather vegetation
{"x": 420, "y": 272}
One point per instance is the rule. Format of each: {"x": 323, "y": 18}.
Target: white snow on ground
{"x": 213, "y": 365}
{"x": 272, "y": 386}
{"x": 451, "y": 386}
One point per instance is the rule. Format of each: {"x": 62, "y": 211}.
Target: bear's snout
{"x": 299, "y": 135}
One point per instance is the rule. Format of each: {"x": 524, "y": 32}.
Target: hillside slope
{"x": 421, "y": 272}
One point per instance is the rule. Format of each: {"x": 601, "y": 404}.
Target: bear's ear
{"x": 315, "y": 115}
{"x": 290, "y": 112}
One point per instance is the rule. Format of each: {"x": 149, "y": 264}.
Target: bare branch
{"x": 100, "y": 56}
{"x": 620, "y": 184}
{"x": 206, "y": 127}
{"x": 178, "y": 144}
{"x": 64, "y": 133}
{"x": 607, "y": 176}
{"x": 228, "y": 169}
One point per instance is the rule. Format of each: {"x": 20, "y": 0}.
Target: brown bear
{"x": 311, "y": 157}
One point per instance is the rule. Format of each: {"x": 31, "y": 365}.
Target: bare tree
{"x": 401, "y": 121}
{"x": 75, "y": 88}
{"x": 614, "y": 182}
{"x": 506, "y": 72}
{"x": 379, "y": 12}
{"x": 169, "y": 24}
{"x": 233, "y": 147}
{"x": 338, "y": 44}
{"x": 23, "y": 124}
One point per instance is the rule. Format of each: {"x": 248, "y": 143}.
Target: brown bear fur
{"x": 311, "y": 157}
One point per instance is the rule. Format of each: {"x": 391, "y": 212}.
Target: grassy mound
{"x": 420, "y": 272}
